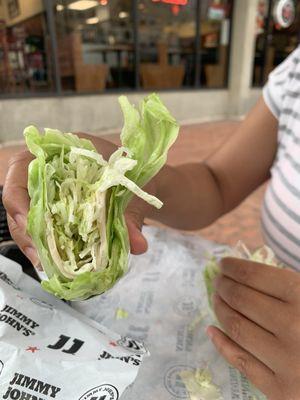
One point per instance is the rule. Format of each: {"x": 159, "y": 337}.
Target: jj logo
{"x": 62, "y": 341}
{"x": 102, "y": 392}
{"x": 133, "y": 345}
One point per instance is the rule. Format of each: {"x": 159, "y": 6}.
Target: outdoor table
{"x": 162, "y": 301}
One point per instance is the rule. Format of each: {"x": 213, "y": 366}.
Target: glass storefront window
{"x": 273, "y": 42}
{"x": 24, "y": 54}
{"x": 167, "y": 35}
{"x": 103, "y": 45}
{"x": 95, "y": 44}
{"x": 169, "y": 57}
{"x": 215, "y": 28}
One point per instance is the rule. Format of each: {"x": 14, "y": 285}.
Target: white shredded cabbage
{"x": 199, "y": 385}
{"x": 77, "y": 184}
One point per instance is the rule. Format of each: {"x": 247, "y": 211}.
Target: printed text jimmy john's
{"x": 17, "y": 320}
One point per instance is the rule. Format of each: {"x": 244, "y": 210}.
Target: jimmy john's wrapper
{"x": 50, "y": 351}
{"x": 162, "y": 301}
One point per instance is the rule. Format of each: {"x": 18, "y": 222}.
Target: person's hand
{"x": 258, "y": 307}
{"x": 16, "y": 201}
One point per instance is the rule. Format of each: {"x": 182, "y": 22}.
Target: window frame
{"x": 267, "y": 38}
{"x": 58, "y": 92}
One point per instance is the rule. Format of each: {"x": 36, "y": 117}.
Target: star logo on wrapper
{"x": 33, "y": 349}
{"x": 186, "y": 306}
{"x": 132, "y": 345}
{"x": 173, "y": 382}
{"x": 102, "y": 392}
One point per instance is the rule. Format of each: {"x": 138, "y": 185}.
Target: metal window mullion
{"x": 53, "y": 44}
{"x": 198, "y": 56}
{"x": 267, "y": 38}
{"x": 226, "y": 83}
{"x": 136, "y": 46}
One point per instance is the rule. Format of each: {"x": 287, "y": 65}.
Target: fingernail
{"x": 20, "y": 219}
{"x": 30, "y": 253}
{"x": 38, "y": 266}
{"x": 209, "y": 332}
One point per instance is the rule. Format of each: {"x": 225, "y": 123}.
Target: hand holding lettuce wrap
{"x": 78, "y": 199}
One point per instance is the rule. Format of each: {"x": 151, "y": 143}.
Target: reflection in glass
{"x": 24, "y": 54}
{"x": 167, "y": 32}
{"x": 114, "y": 44}
{"x": 95, "y": 44}
{"x": 273, "y": 42}
{"x": 215, "y": 41}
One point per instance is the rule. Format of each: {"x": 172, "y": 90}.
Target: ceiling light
{"x": 93, "y": 20}
{"x": 123, "y": 14}
{"x": 82, "y": 5}
{"x": 59, "y": 7}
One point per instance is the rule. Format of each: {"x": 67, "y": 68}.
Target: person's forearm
{"x": 195, "y": 195}
{"x": 191, "y": 196}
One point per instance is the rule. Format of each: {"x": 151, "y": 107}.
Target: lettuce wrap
{"x": 263, "y": 255}
{"x": 78, "y": 199}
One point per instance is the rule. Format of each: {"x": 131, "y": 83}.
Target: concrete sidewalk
{"x": 195, "y": 143}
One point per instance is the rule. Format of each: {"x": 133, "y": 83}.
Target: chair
{"x": 215, "y": 74}
{"x": 87, "y": 77}
{"x": 161, "y": 75}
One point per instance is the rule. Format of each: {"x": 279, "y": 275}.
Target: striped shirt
{"x": 281, "y": 208}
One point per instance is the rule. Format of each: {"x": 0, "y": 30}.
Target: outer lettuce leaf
{"x": 147, "y": 135}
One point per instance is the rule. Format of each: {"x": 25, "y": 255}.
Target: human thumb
{"x": 135, "y": 214}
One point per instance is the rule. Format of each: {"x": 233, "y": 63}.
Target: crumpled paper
{"x": 165, "y": 296}
{"x": 50, "y": 351}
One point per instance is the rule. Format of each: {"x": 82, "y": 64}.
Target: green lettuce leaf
{"x": 78, "y": 199}
{"x": 263, "y": 255}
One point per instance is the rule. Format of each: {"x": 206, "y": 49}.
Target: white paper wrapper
{"x": 50, "y": 351}
{"x": 165, "y": 304}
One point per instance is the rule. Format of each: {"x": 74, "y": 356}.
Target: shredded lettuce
{"x": 121, "y": 313}
{"x": 199, "y": 385}
{"x": 262, "y": 255}
{"x": 78, "y": 199}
